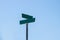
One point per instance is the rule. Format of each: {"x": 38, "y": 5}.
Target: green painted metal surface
{"x": 27, "y": 16}
{"x": 29, "y": 19}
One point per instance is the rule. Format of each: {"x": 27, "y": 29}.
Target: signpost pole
{"x": 26, "y": 31}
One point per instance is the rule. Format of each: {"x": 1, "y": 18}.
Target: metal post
{"x": 26, "y": 31}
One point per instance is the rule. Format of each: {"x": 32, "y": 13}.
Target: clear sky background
{"x": 46, "y": 12}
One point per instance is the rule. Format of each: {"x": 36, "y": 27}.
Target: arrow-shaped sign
{"x": 29, "y": 19}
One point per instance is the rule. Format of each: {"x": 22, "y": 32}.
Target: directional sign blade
{"x": 27, "y": 16}
{"x": 27, "y": 21}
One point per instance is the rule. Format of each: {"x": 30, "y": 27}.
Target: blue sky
{"x": 46, "y": 26}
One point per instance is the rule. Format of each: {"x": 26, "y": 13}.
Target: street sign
{"x": 29, "y": 19}
{"x": 27, "y": 16}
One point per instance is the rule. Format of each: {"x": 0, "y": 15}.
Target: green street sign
{"x": 27, "y": 16}
{"x": 29, "y": 19}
